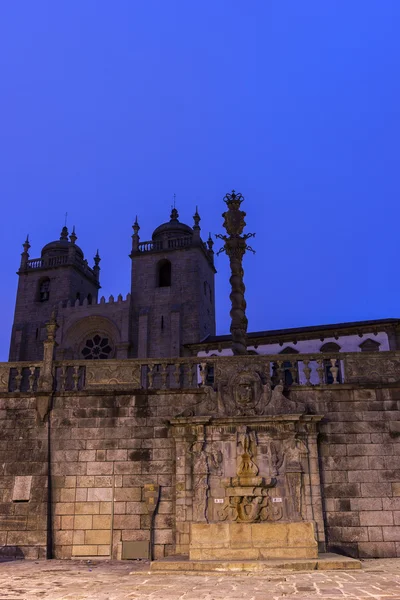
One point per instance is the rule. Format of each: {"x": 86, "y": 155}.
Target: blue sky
{"x": 109, "y": 108}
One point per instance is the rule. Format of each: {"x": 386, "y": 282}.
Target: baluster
{"x": 293, "y": 371}
{"x": 152, "y": 369}
{"x": 320, "y": 370}
{"x": 63, "y": 378}
{"x": 18, "y": 379}
{"x": 31, "y": 378}
{"x": 280, "y": 371}
{"x": 193, "y": 371}
{"x": 164, "y": 375}
{"x": 177, "y": 374}
{"x": 75, "y": 377}
{"x": 203, "y": 373}
{"x": 334, "y": 370}
{"x": 307, "y": 370}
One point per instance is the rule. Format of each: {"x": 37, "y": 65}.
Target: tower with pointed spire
{"x": 172, "y": 289}
{"x": 60, "y": 275}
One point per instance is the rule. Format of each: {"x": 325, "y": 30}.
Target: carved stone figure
{"x": 294, "y": 453}
{"x": 200, "y": 482}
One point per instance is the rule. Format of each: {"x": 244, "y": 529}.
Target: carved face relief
{"x": 247, "y": 393}
{"x": 245, "y": 396}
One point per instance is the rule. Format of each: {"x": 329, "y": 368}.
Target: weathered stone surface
{"x": 251, "y": 541}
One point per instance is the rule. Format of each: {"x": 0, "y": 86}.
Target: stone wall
{"x": 23, "y": 479}
{"x": 359, "y": 454}
{"x": 105, "y": 446}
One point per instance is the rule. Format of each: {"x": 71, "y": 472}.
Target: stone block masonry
{"x": 106, "y": 445}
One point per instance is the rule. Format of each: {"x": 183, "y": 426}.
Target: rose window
{"x": 97, "y": 347}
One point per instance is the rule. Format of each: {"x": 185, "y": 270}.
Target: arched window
{"x": 369, "y": 346}
{"x": 331, "y": 347}
{"x": 164, "y": 273}
{"x": 44, "y": 290}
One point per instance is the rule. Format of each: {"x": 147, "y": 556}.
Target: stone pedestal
{"x": 252, "y": 541}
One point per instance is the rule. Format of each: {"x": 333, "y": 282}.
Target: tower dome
{"x": 61, "y": 247}
{"x": 172, "y": 229}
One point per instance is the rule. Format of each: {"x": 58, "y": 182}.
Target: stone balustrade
{"x": 56, "y": 261}
{"x": 19, "y": 377}
{"x": 195, "y": 372}
{"x": 167, "y": 244}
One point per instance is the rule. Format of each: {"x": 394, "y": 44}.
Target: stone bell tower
{"x": 60, "y": 275}
{"x": 173, "y": 301}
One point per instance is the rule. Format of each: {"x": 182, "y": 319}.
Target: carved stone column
{"x": 315, "y": 510}
{"x": 235, "y": 247}
{"x": 46, "y": 379}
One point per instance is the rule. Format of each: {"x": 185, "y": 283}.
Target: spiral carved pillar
{"x": 235, "y": 247}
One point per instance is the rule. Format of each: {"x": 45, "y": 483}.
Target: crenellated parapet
{"x": 88, "y": 302}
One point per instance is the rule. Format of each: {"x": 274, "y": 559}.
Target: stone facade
{"x": 286, "y": 450}
{"x": 75, "y": 462}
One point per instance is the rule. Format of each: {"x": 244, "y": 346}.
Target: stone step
{"x": 324, "y": 562}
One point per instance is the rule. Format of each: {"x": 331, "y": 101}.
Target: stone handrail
{"x": 290, "y": 370}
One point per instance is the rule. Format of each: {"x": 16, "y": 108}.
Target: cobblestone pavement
{"x": 81, "y": 580}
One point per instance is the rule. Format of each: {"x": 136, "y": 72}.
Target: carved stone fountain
{"x": 247, "y": 474}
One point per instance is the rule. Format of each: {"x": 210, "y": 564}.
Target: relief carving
{"x": 376, "y": 369}
{"x": 247, "y": 499}
{"x": 244, "y": 393}
{"x": 200, "y": 482}
{"x": 118, "y": 374}
{"x": 4, "y": 377}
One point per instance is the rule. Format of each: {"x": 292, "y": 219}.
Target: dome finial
{"x": 174, "y": 214}
{"x": 136, "y": 226}
{"x": 64, "y": 233}
{"x": 73, "y": 237}
{"x": 196, "y": 219}
{"x": 26, "y": 245}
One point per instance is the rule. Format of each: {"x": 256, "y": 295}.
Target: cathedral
{"x": 129, "y": 429}
{"x": 169, "y": 311}
{"x": 171, "y": 302}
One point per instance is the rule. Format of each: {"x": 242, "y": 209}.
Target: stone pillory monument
{"x": 129, "y": 429}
